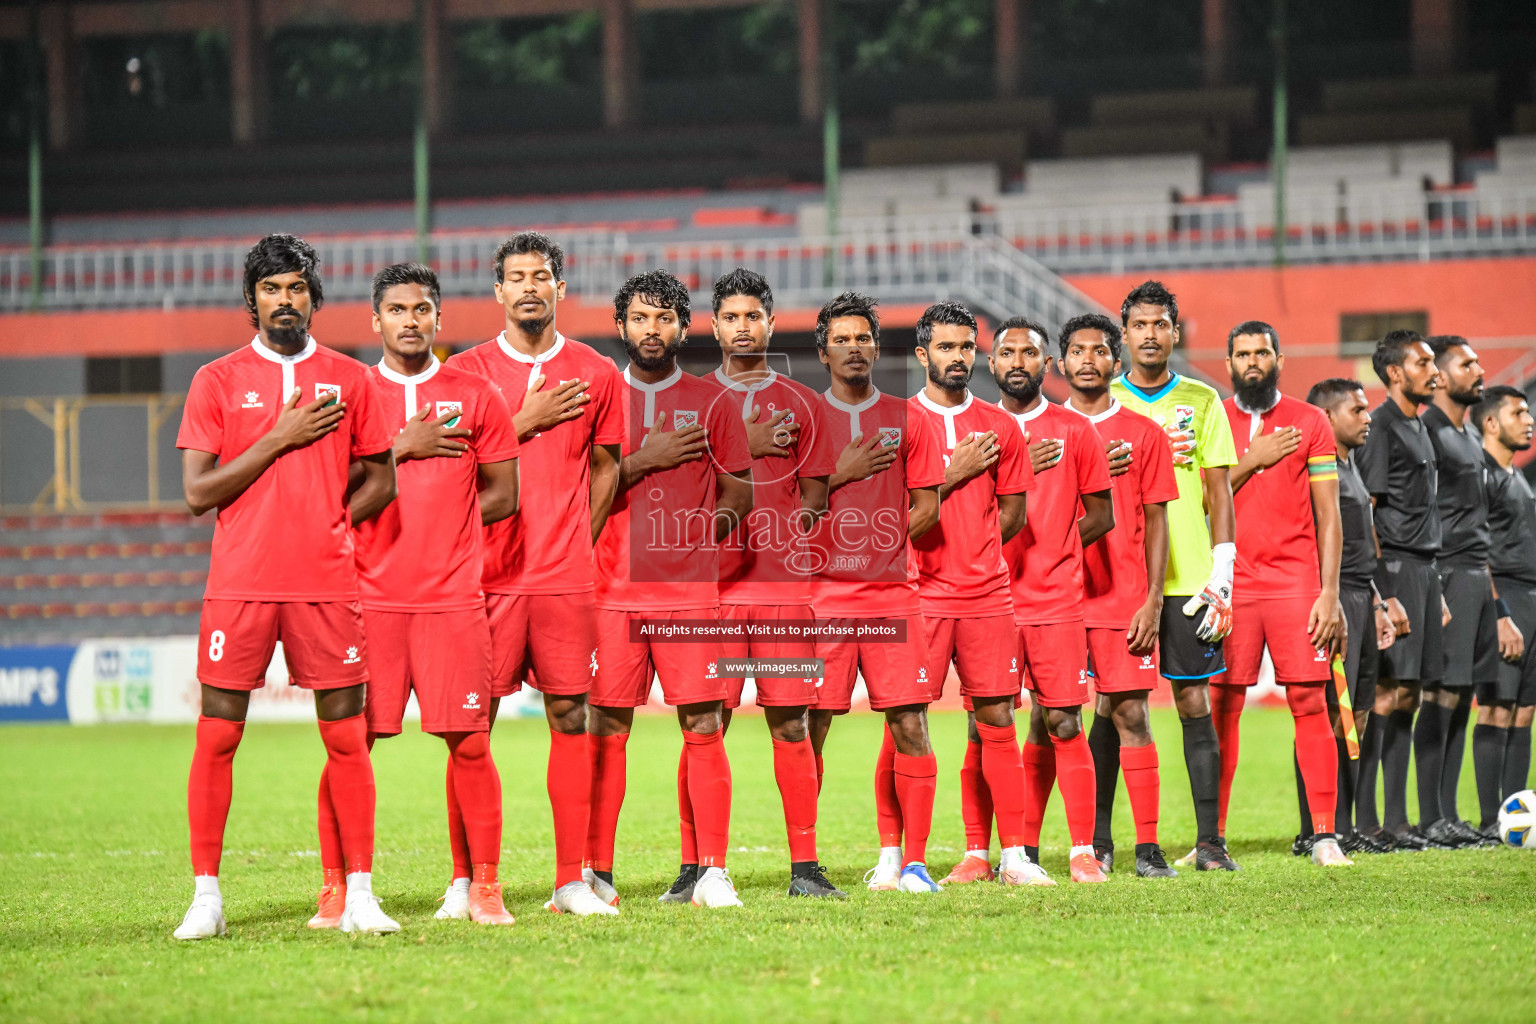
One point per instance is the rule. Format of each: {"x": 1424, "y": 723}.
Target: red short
{"x": 1113, "y": 667}
{"x": 896, "y": 675}
{"x": 1056, "y": 656}
{"x": 553, "y": 636}
{"x": 985, "y": 653}
{"x": 1279, "y": 623}
{"x": 444, "y": 656}
{"x": 786, "y": 692}
{"x": 622, "y": 678}
{"x": 322, "y": 643}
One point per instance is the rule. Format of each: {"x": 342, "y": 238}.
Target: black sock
{"x": 1488, "y": 745}
{"x": 1365, "y": 775}
{"x": 1455, "y": 752}
{"x": 1301, "y": 797}
{"x": 606, "y": 876}
{"x": 802, "y": 868}
{"x": 1033, "y": 853}
{"x": 1517, "y": 760}
{"x": 1202, "y": 760}
{"x": 1429, "y": 734}
{"x": 1104, "y": 744}
{"x": 1343, "y": 806}
{"x": 1396, "y": 747}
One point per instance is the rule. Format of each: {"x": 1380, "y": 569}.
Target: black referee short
{"x": 1418, "y": 657}
{"x": 1361, "y": 658}
{"x": 1182, "y": 654}
{"x": 1515, "y": 682}
{"x": 1472, "y": 634}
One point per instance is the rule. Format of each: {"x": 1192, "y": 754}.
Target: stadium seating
{"x": 1005, "y": 148}
{"x": 1034, "y": 116}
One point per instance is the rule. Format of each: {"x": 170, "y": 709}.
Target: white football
{"x": 1517, "y": 820}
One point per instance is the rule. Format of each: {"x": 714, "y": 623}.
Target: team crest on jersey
{"x": 334, "y": 390}
{"x": 444, "y": 408}
{"x": 683, "y": 418}
{"x": 1183, "y": 416}
{"x": 890, "y": 437}
{"x": 252, "y": 400}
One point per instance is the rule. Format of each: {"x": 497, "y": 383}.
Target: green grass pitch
{"x": 94, "y": 875}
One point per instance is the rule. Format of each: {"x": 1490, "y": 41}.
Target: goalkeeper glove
{"x": 1215, "y": 598}
{"x": 1183, "y": 443}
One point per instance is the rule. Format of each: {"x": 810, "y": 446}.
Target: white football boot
{"x": 204, "y": 919}
{"x": 579, "y": 899}
{"x": 605, "y": 892}
{"x": 365, "y": 916}
{"x": 714, "y": 889}
{"x": 455, "y": 902}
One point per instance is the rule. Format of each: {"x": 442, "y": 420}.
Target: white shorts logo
{"x": 1146, "y": 662}
{"x": 444, "y": 408}
{"x": 594, "y": 661}
{"x": 709, "y": 673}
{"x": 471, "y": 701}
{"x": 351, "y": 658}
{"x": 1322, "y": 655}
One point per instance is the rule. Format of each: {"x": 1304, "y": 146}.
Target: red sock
{"x": 569, "y": 781}
{"x": 916, "y": 781}
{"x": 887, "y": 806}
{"x": 819, "y": 772}
{"x": 1316, "y": 752}
{"x": 330, "y": 833}
{"x": 478, "y": 786}
{"x": 1004, "y": 767}
{"x": 709, "y": 790}
{"x": 458, "y": 841}
{"x": 794, "y": 769}
{"x": 1139, "y": 765}
{"x": 688, "y": 835}
{"x": 610, "y": 765}
{"x": 1039, "y": 780}
{"x": 209, "y": 785}
{"x": 1074, "y": 777}
{"x": 975, "y": 800}
{"x": 352, "y": 793}
{"x": 1226, "y": 711}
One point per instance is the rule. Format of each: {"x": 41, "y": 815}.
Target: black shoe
{"x": 682, "y": 889}
{"x": 1490, "y": 832}
{"x": 1380, "y": 837}
{"x": 1105, "y": 855}
{"x": 1211, "y": 855}
{"x": 1356, "y": 841}
{"x": 1301, "y": 846}
{"x": 1150, "y": 862}
{"x": 814, "y": 883}
{"x": 1439, "y": 836}
{"x": 1468, "y": 835}
{"x": 1406, "y": 837}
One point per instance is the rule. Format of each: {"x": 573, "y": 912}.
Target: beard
{"x": 1259, "y": 394}
{"x": 534, "y": 326}
{"x": 1025, "y": 391}
{"x": 288, "y": 337}
{"x": 942, "y": 380}
{"x": 1468, "y": 396}
{"x": 648, "y": 363}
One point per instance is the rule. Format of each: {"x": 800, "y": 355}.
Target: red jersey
{"x": 962, "y": 574}
{"x": 867, "y": 565}
{"x": 658, "y": 551}
{"x": 1045, "y": 558}
{"x": 1276, "y": 537}
{"x": 423, "y": 552}
{"x": 287, "y": 536}
{"x": 768, "y": 562}
{"x": 1115, "y": 565}
{"x": 547, "y": 547}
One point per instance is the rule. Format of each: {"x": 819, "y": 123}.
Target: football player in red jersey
{"x": 267, "y": 436}
{"x": 883, "y": 494}
{"x": 764, "y": 571}
{"x": 419, "y": 565}
{"x": 1290, "y": 541}
{"x": 685, "y": 484}
{"x": 963, "y": 579}
{"x": 567, "y": 407}
{"x": 1123, "y": 590}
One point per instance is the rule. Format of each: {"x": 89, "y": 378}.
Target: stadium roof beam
{"x": 1214, "y": 25}
{"x": 1436, "y": 28}
{"x": 1008, "y": 64}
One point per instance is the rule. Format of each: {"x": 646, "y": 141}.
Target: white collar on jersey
{"x": 944, "y": 410}
{"x": 1098, "y": 417}
{"x": 1243, "y": 406}
{"x": 742, "y": 385}
{"x": 1025, "y": 417}
{"x": 523, "y": 357}
{"x": 277, "y": 357}
{"x": 402, "y": 378}
{"x": 661, "y": 385}
{"x": 874, "y": 396}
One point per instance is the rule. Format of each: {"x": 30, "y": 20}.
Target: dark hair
{"x": 1021, "y": 323}
{"x": 847, "y": 304}
{"x": 1150, "y": 293}
{"x": 1091, "y": 322}
{"x": 406, "y": 273}
{"x": 1492, "y": 403}
{"x": 951, "y": 313}
{"x": 529, "y": 241}
{"x": 1440, "y": 344}
{"x": 1327, "y": 394}
{"x": 281, "y": 254}
{"x": 658, "y": 288}
{"x": 1392, "y": 350}
{"x": 1253, "y": 327}
{"x": 742, "y": 281}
